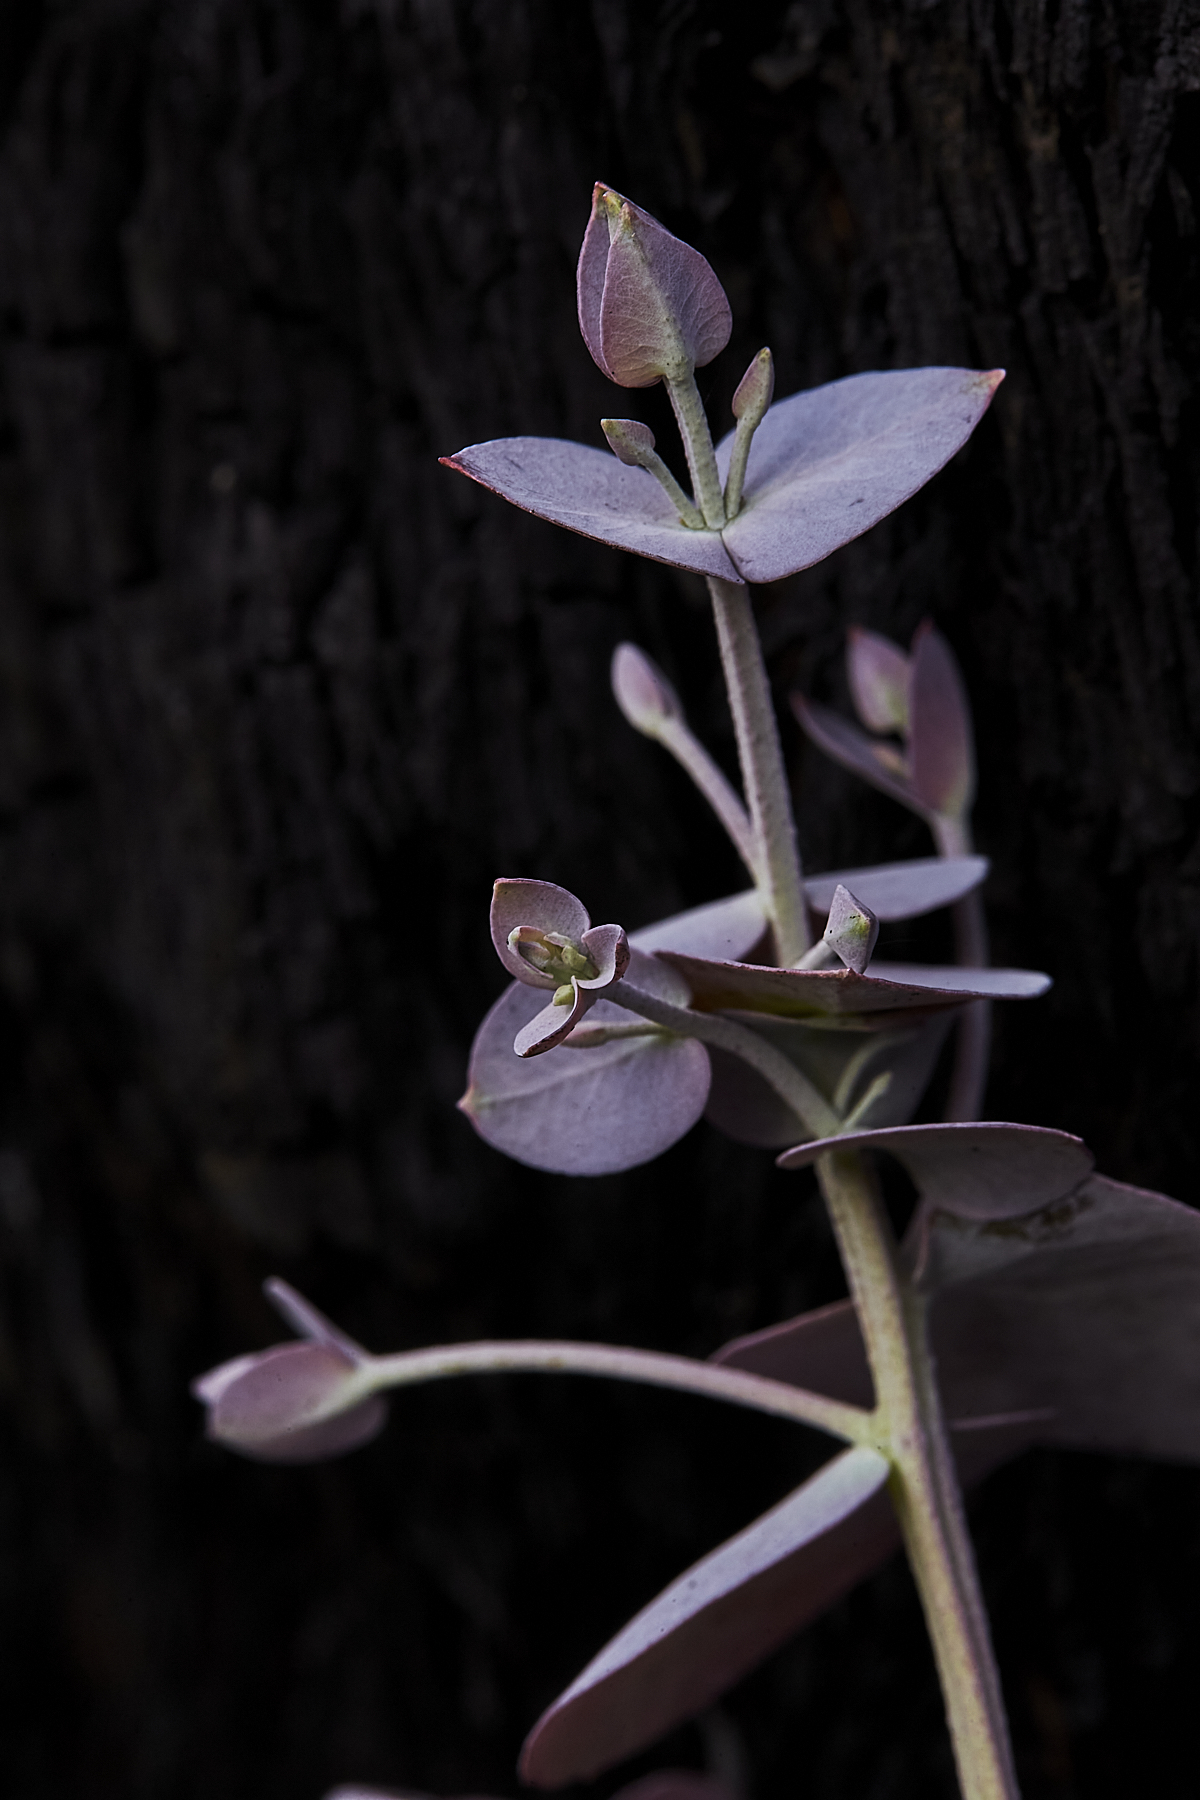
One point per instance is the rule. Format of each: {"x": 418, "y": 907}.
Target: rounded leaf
{"x": 293, "y": 1403}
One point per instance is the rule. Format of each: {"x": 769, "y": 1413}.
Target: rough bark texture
{"x": 280, "y": 696}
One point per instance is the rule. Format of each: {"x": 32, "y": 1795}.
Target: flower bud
{"x": 650, "y": 307}
{"x": 293, "y": 1403}
{"x": 879, "y": 674}
{"x": 642, "y": 691}
{"x": 756, "y": 390}
{"x": 851, "y": 930}
{"x": 629, "y": 440}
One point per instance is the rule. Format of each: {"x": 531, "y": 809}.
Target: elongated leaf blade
{"x": 908, "y": 988}
{"x": 981, "y": 1171}
{"x": 723, "y": 928}
{"x": 719, "y": 1619}
{"x": 854, "y": 750}
{"x": 900, "y": 890}
{"x": 590, "y": 492}
{"x": 828, "y": 464}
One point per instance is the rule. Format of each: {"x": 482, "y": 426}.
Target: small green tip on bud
{"x": 630, "y": 441}
{"x": 642, "y": 691}
{"x": 851, "y": 931}
{"x": 756, "y": 389}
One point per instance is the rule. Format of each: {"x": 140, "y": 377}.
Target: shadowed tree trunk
{"x": 280, "y": 697}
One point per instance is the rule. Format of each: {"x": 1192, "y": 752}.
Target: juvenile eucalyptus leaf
{"x": 704, "y": 1631}
{"x": 289, "y": 1404}
{"x": 854, "y": 750}
{"x": 907, "y": 988}
{"x": 902, "y": 890}
{"x": 979, "y": 1171}
{"x": 824, "y": 467}
{"x": 879, "y": 674}
{"x": 587, "y": 1111}
{"x": 941, "y": 741}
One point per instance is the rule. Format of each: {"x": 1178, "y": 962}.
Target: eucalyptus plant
{"x": 1031, "y": 1300}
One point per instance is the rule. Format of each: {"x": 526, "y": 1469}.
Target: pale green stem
{"x": 743, "y": 437}
{"x": 923, "y": 1484}
{"x": 698, "y": 447}
{"x": 790, "y": 1083}
{"x": 683, "y": 744}
{"x": 764, "y": 777}
{"x": 689, "y": 515}
{"x": 681, "y": 1372}
{"x": 972, "y": 1051}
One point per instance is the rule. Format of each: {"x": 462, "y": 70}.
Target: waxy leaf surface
{"x": 854, "y": 750}
{"x": 706, "y": 1629}
{"x": 902, "y": 890}
{"x": 908, "y": 988}
{"x": 288, "y": 1404}
{"x": 586, "y": 1111}
{"x": 824, "y": 467}
{"x": 590, "y": 492}
{"x": 828, "y": 464}
{"x": 982, "y": 1171}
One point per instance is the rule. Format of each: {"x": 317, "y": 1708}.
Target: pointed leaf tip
{"x": 852, "y": 930}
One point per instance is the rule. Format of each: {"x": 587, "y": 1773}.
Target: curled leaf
{"x": 293, "y": 1403}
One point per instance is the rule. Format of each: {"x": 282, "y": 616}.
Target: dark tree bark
{"x": 280, "y": 697}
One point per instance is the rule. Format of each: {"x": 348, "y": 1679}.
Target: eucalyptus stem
{"x": 763, "y": 774}
{"x": 923, "y": 1485}
{"x": 698, "y": 447}
{"x": 759, "y": 1392}
{"x": 791, "y": 1083}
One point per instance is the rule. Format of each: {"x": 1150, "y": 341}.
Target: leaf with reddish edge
{"x": 828, "y": 464}
{"x": 980, "y": 1171}
{"x": 706, "y": 1629}
{"x": 941, "y": 751}
{"x": 824, "y": 467}
{"x": 518, "y": 901}
{"x": 590, "y": 492}
{"x": 908, "y": 988}
{"x": 878, "y": 672}
{"x": 586, "y": 1111}
{"x": 290, "y": 1404}
{"x": 901, "y": 890}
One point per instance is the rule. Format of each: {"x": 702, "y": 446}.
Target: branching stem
{"x": 684, "y": 1373}
{"x": 923, "y": 1484}
{"x": 764, "y": 777}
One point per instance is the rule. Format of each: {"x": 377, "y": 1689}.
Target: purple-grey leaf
{"x": 551, "y": 1024}
{"x": 901, "y": 890}
{"x": 590, "y": 492}
{"x": 748, "y": 1109}
{"x": 941, "y": 751}
{"x": 704, "y": 1631}
{"x": 291, "y": 1403}
{"x": 909, "y": 988}
{"x": 1090, "y": 1309}
{"x": 608, "y": 948}
{"x": 878, "y": 672}
{"x": 850, "y": 747}
{"x": 828, "y": 464}
{"x": 305, "y": 1319}
{"x": 722, "y": 928}
{"x": 586, "y": 1111}
{"x": 980, "y": 1171}
{"x": 517, "y": 901}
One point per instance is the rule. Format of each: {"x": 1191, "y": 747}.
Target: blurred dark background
{"x": 280, "y": 697}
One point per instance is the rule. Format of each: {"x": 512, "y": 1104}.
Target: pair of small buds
{"x": 543, "y": 935}
{"x": 299, "y": 1402}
